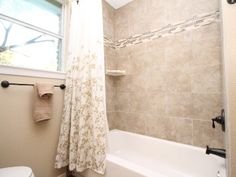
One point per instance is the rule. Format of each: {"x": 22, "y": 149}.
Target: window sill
{"x": 18, "y": 71}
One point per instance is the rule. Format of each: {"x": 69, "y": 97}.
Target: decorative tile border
{"x": 108, "y": 42}
{"x": 171, "y": 29}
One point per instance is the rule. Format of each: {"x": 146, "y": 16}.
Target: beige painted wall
{"x": 229, "y": 39}
{"x": 22, "y": 141}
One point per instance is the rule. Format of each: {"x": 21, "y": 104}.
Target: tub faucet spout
{"x": 216, "y": 151}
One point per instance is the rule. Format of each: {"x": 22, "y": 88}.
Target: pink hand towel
{"x": 43, "y": 101}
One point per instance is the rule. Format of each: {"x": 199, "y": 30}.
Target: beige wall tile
{"x": 135, "y": 122}
{"x": 178, "y": 10}
{"x": 122, "y": 30}
{"x": 177, "y": 81}
{"x": 122, "y": 83}
{"x": 120, "y": 121}
{"x": 121, "y": 23}
{"x": 125, "y": 63}
{"x": 110, "y": 63}
{"x": 122, "y": 102}
{"x": 137, "y": 7}
{"x": 110, "y": 86}
{"x": 157, "y": 45}
{"x": 139, "y": 25}
{"x": 178, "y": 51}
{"x": 155, "y": 81}
{"x": 108, "y": 20}
{"x": 206, "y": 46}
{"x": 206, "y": 80}
{"x": 135, "y": 83}
{"x": 150, "y": 81}
{"x": 179, "y": 104}
{"x": 156, "y": 14}
{"x": 147, "y": 60}
{"x": 152, "y": 103}
{"x": 207, "y": 106}
{"x": 182, "y": 9}
{"x": 202, "y": 6}
{"x": 112, "y": 119}
{"x": 173, "y": 84}
{"x": 157, "y": 126}
{"x": 137, "y": 22}
{"x": 110, "y": 58}
{"x": 136, "y": 49}
{"x": 204, "y": 134}
{"x": 180, "y": 130}
{"x": 110, "y": 101}
{"x": 121, "y": 14}
{"x": 132, "y": 122}
{"x": 174, "y": 129}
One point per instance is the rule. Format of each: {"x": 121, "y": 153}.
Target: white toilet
{"x": 19, "y": 171}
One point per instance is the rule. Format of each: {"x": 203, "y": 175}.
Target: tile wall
{"x": 173, "y": 85}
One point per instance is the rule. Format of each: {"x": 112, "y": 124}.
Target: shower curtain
{"x": 82, "y": 140}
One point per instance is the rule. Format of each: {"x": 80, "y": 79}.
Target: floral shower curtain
{"x": 82, "y": 140}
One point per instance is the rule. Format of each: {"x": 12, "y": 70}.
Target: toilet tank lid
{"x": 16, "y": 171}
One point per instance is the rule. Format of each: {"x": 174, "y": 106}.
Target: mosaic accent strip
{"x": 171, "y": 29}
{"x": 109, "y": 43}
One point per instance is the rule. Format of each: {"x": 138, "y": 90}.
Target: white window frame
{"x": 31, "y": 72}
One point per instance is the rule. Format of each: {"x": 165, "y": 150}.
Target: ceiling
{"x": 116, "y": 4}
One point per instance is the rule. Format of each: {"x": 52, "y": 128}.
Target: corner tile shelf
{"x": 111, "y": 72}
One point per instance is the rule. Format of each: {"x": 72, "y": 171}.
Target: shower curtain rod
{"x": 6, "y": 84}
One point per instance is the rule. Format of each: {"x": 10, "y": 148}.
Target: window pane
{"x": 45, "y": 14}
{"x": 20, "y": 46}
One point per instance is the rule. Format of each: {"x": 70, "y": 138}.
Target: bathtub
{"x": 134, "y": 155}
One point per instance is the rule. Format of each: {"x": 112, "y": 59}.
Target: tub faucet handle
{"x": 213, "y": 124}
{"x": 220, "y": 120}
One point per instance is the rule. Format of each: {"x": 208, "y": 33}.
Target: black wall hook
{"x": 231, "y": 1}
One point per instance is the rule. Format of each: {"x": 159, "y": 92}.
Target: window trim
{"x": 20, "y": 71}
{"x": 29, "y": 26}
{"x": 32, "y": 72}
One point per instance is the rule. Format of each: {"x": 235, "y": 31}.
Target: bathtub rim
{"x": 199, "y": 149}
{"x": 161, "y": 140}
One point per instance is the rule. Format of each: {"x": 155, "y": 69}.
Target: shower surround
{"x": 171, "y": 53}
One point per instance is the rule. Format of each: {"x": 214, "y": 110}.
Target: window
{"x": 31, "y": 34}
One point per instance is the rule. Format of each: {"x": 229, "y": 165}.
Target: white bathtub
{"x": 133, "y": 155}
